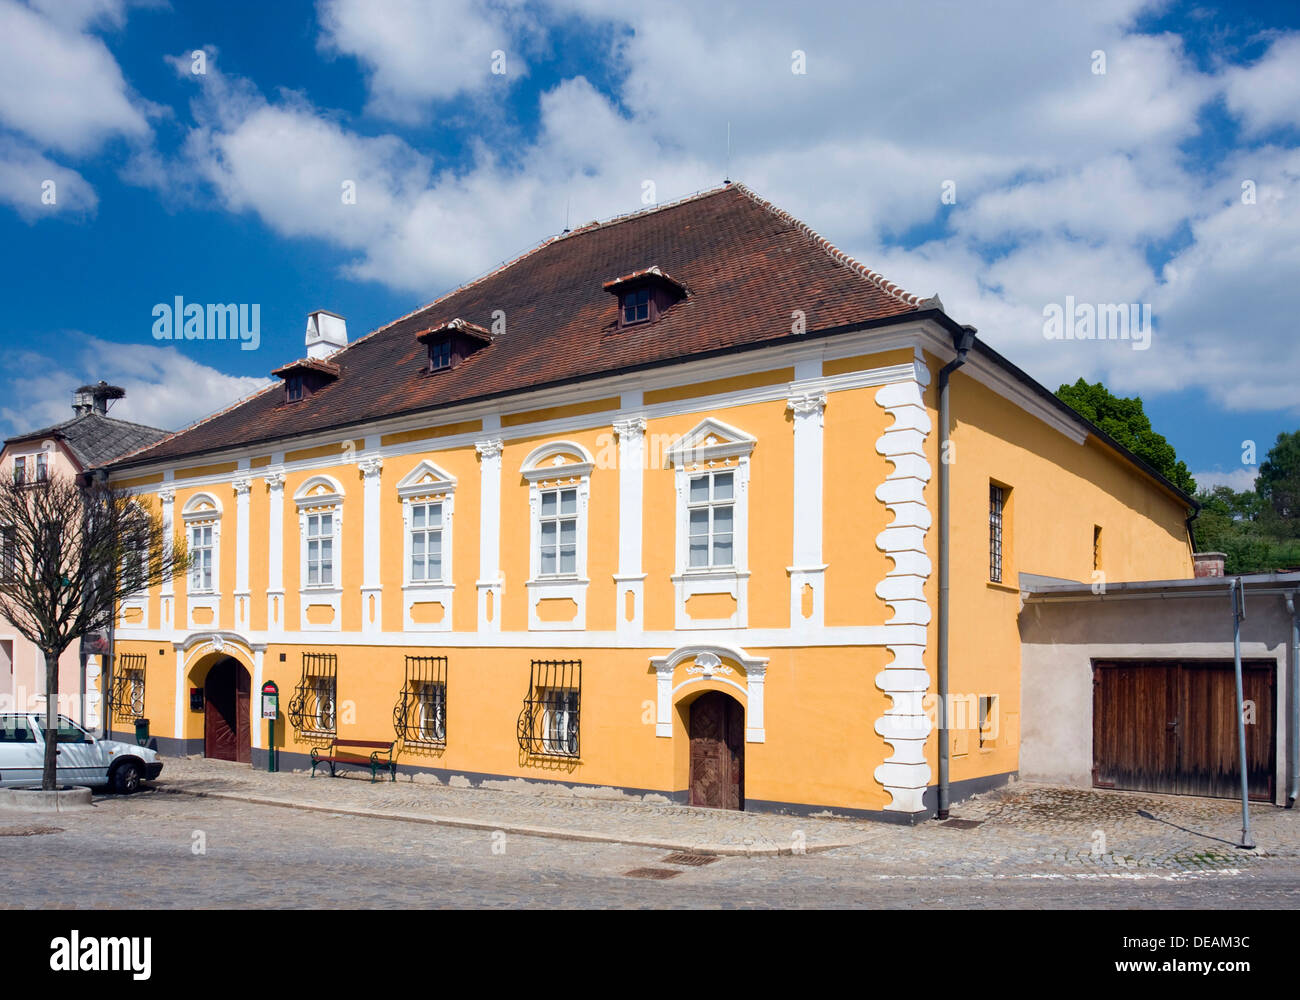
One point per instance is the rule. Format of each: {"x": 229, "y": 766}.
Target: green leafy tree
{"x": 1125, "y": 420}
{"x": 1278, "y": 485}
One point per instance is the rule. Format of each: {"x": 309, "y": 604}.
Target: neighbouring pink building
{"x": 90, "y": 439}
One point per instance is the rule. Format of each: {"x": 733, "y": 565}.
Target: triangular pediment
{"x": 426, "y": 478}
{"x": 708, "y": 440}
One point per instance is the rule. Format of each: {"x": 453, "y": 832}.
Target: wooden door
{"x": 717, "y": 733}
{"x": 1135, "y": 726}
{"x": 1209, "y": 760}
{"x": 226, "y": 698}
{"x": 1171, "y": 726}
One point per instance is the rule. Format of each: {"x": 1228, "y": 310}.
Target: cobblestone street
{"x": 206, "y": 835}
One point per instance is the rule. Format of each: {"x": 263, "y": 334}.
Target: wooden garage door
{"x": 1171, "y": 726}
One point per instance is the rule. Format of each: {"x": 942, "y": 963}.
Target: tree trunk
{"x": 49, "y": 777}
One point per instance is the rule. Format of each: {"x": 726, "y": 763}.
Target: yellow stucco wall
{"x": 821, "y": 701}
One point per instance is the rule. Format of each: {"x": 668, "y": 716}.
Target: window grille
{"x": 8, "y": 555}
{"x": 996, "y": 498}
{"x": 420, "y": 715}
{"x": 549, "y": 724}
{"x": 128, "y": 687}
{"x": 312, "y": 709}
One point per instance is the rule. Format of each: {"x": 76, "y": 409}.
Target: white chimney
{"x": 327, "y": 332}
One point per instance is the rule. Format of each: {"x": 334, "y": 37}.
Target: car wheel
{"x": 126, "y": 779}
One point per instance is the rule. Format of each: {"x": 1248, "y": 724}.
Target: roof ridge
{"x": 852, "y": 263}
{"x": 613, "y": 220}
{"x": 169, "y": 435}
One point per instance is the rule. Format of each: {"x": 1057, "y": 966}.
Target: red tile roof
{"x": 456, "y": 325}
{"x": 748, "y": 265}
{"x": 327, "y": 368}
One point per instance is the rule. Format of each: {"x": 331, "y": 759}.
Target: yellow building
{"x": 652, "y": 507}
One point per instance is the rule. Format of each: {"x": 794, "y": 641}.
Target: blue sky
{"x": 1115, "y": 187}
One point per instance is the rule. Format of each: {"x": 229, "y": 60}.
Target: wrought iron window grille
{"x": 996, "y": 500}
{"x": 128, "y": 687}
{"x": 312, "y": 708}
{"x": 549, "y": 723}
{"x": 420, "y": 715}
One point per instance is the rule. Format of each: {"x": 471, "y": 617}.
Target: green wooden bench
{"x": 381, "y": 757}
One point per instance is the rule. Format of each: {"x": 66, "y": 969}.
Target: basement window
{"x": 128, "y": 688}
{"x": 421, "y": 710}
{"x": 548, "y": 725}
{"x": 311, "y": 711}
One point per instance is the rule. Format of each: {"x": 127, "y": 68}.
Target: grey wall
{"x": 1059, "y": 641}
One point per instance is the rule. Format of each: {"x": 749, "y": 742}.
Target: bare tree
{"x": 69, "y": 554}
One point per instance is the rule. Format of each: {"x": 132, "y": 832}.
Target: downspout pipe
{"x": 962, "y": 343}
{"x": 1293, "y": 703}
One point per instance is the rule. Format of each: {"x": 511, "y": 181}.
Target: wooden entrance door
{"x": 1171, "y": 726}
{"x": 717, "y": 752}
{"x": 226, "y": 695}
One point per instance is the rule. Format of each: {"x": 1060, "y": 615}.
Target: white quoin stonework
{"x": 167, "y": 497}
{"x": 905, "y": 726}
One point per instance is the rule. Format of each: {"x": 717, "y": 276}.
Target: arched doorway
{"x": 717, "y": 731}
{"x": 226, "y": 695}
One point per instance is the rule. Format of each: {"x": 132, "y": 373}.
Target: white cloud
{"x": 1065, "y": 178}
{"x": 1266, "y": 94}
{"x": 1240, "y": 480}
{"x": 25, "y": 184}
{"x": 60, "y": 87}
{"x": 164, "y": 387}
{"x": 419, "y": 52}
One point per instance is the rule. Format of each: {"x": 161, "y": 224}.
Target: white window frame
{"x": 314, "y": 533}
{"x": 712, "y": 446}
{"x": 326, "y": 691}
{"x": 559, "y": 720}
{"x": 549, "y": 467}
{"x": 423, "y": 701}
{"x": 428, "y": 483}
{"x": 194, "y": 515}
{"x": 309, "y": 502}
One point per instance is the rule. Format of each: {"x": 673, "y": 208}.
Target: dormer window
{"x": 452, "y": 342}
{"x": 304, "y": 377}
{"x": 636, "y": 306}
{"x": 645, "y": 295}
{"x": 439, "y": 354}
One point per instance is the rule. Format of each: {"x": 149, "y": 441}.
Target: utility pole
{"x": 1238, "y": 593}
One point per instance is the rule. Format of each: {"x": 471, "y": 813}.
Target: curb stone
{"x": 589, "y": 836}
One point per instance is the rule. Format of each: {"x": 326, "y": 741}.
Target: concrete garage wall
{"x": 1061, "y": 636}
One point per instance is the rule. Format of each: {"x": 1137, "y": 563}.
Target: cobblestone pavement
{"x": 154, "y": 850}
{"x": 1023, "y": 824}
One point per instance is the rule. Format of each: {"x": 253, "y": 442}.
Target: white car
{"x": 82, "y": 759}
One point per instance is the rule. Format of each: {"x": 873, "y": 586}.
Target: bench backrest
{"x": 363, "y": 743}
